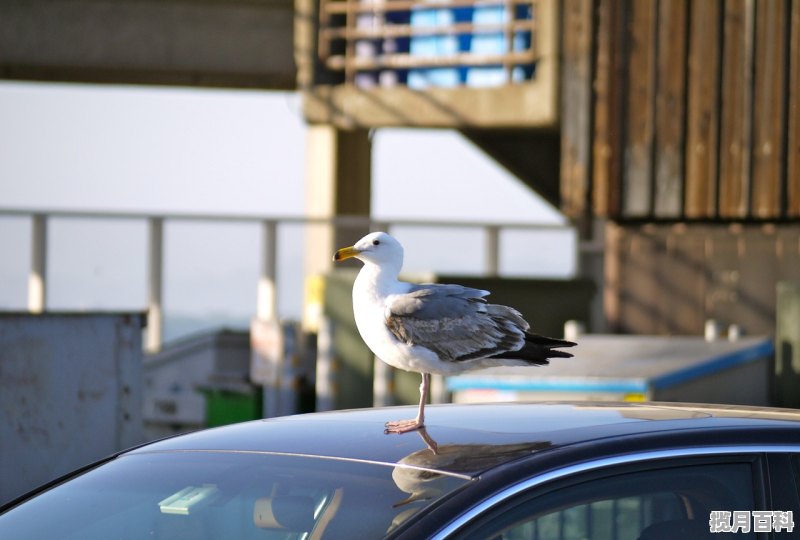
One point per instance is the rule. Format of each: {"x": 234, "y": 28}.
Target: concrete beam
{"x": 233, "y": 43}
{"x": 338, "y": 183}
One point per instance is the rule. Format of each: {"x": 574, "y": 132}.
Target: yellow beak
{"x": 345, "y": 253}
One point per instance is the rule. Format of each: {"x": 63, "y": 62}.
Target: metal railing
{"x": 267, "y": 291}
{"x": 362, "y": 36}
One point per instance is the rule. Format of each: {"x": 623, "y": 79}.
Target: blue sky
{"x": 222, "y": 151}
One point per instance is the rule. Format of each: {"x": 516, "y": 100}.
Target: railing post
{"x": 439, "y": 389}
{"x": 37, "y": 280}
{"x": 492, "y": 251}
{"x": 267, "y": 298}
{"x": 155, "y": 263}
{"x": 382, "y": 384}
{"x": 267, "y": 335}
{"x": 325, "y": 376}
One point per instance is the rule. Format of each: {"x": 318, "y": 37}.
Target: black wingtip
{"x": 548, "y": 342}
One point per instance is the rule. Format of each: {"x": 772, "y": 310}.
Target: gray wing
{"x": 454, "y": 322}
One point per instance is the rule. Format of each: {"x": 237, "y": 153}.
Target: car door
{"x": 687, "y": 498}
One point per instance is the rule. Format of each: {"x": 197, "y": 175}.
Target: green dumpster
{"x": 228, "y": 404}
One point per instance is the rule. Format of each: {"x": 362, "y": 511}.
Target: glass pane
{"x": 211, "y": 495}
{"x": 641, "y": 505}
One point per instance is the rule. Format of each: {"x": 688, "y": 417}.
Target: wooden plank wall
{"x": 702, "y": 127}
{"x": 671, "y": 278}
{"x": 576, "y": 103}
{"x": 693, "y": 110}
{"x": 793, "y": 150}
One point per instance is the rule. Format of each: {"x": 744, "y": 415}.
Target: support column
{"x": 338, "y": 183}
{"x": 338, "y": 178}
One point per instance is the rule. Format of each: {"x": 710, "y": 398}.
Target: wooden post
{"x": 793, "y": 139}
{"x": 576, "y": 108}
{"x": 736, "y": 132}
{"x": 770, "y": 107}
{"x": 641, "y": 90}
{"x": 670, "y": 109}
{"x": 703, "y": 104}
{"x": 610, "y": 102}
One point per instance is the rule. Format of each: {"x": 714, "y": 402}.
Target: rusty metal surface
{"x": 70, "y": 393}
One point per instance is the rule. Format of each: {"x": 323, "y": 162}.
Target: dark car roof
{"x": 471, "y": 439}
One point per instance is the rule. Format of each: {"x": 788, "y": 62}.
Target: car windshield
{"x": 244, "y": 495}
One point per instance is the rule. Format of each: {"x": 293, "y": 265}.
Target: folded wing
{"x": 454, "y": 322}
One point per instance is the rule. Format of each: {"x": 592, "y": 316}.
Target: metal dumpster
{"x": 70, "y": 393}
{"x": 634, "y": 368}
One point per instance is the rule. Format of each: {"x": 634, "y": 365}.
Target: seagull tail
{"x": 538, "y": 349}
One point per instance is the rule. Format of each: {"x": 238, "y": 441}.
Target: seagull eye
{"x": 376, "y": 242}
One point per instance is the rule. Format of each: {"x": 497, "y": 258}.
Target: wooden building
{"x": 668, "y": 129}
{"x": 681, "y": 131}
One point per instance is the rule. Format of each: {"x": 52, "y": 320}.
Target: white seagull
{"x": 435, "y": 328}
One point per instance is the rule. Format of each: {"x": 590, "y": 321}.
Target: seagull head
{"x": 376, "y": 248}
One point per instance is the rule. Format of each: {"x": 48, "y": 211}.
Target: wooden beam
{"x": 793, "y": 145}
{"x": 342, "y": 6}
{"x": 737, "y": 102}
{"x": 670, "y": 114}
{"x": 769, "y": 102}
{"x": 526, "y": 105}
{"x": 702, "y": 137}
{"x": 609, "y": 106}
{"x": 406, "y": 60}
{"x": 228, "y": 43}
{"x": 576, "y": 108}
{"x": 638, "y": 177}
{"x": 407, "y": 30}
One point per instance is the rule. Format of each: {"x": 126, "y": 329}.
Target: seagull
{"x": 435, "y": 328}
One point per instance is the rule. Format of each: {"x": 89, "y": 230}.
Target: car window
{"x": 669, "y": 502}
{"x": 212, "y": 495}
{"x": 796, "y": 467}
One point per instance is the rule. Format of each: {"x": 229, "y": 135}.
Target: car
{"x": 560, "y": 470}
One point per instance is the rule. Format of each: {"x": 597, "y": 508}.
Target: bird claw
{"x": 403, "y": 426}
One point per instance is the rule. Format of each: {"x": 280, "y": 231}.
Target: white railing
{"x": 267, "y": 291}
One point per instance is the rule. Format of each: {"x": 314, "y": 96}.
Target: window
{"x": 659, "y": 503}
{"x": 210, "y": 495}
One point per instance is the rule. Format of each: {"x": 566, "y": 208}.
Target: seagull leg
{"x": 428, "y": 440}
{"x": 404, "y": 426}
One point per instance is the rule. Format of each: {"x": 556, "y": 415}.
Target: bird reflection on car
{"x": 415, "y": 474}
